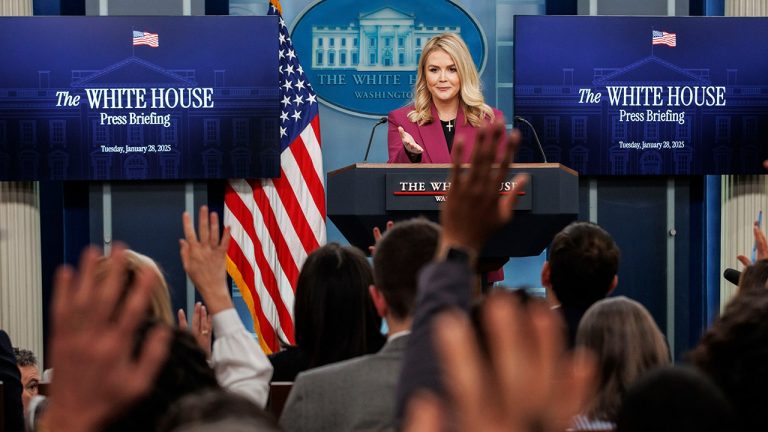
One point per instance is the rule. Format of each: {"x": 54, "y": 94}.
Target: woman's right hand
{"x": 408, "y": 142}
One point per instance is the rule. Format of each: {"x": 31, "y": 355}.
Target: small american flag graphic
{"x": 664, "y": 38}
{"x": 145, "y": 38}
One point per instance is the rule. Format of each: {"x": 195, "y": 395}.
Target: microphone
{"x": 370, "y": 140}
{"x": 732, "y": 276}
{"x": 535, "y": 135}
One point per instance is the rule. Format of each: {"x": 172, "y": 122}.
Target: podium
{"x": 364, "y": 195}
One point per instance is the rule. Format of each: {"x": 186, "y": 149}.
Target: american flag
{"x": 664, "y": 38}
{"x": 145, "y": 38}
{"x": 276, "y": 223}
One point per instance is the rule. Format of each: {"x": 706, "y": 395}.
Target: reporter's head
{"x": 160, "y": 305}
{"x": 400, "y": 254}
{"x": 582, "y": 265}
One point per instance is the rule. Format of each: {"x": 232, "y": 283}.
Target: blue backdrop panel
{"x": 606, "y": 100}
{"x": 80, "y": 100}
{"x": 147, "y": 217}
{"x": 628, "y": 217}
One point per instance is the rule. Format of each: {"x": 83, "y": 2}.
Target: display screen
{"x": 121, "y": 98}
{"x": 644, "y": 95}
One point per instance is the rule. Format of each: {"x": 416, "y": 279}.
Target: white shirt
{"x": 237, "y": 359}
{"x": 394, "y": 336}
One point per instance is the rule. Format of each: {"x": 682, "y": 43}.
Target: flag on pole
{"x": 276, "y": 223}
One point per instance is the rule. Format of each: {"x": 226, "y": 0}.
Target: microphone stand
{"x": 535, "y": 135}
{"x": 370, "y": 140}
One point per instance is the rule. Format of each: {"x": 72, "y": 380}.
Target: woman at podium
{"x": 447, "y": 102}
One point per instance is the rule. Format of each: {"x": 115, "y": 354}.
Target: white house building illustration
{"x": 384, "y": 40}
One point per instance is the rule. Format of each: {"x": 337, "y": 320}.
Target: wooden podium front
{"x": 363, "y": 195}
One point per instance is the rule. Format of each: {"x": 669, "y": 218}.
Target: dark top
{"x": 442, "y": 285}
{"x": 572, "y": 317}
{"x": 288, "y": 363}
{"x": 449, "y": 130}
{"x": 11, "y": 378}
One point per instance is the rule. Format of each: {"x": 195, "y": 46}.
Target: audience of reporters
{"x": 516, "y": 389}
{"x": 334, "y": 317}
{"x": 627, "y": 344}
{"x": 238, "y": 362}
{"x": 359, "y": 394}
{"x": 100, "y": 368}
{"x": 121, "y": 366}
{"x": 103, "y": 305}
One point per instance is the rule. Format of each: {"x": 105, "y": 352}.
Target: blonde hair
{"x": 470, "y": 96}
{"x": 628, "y": 344}
{"x": 160, "y": 304}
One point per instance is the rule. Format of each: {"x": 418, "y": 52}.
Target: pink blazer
{"x": 429, "y": 136}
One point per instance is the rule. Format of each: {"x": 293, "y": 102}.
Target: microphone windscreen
{"x": 732, "y": 276}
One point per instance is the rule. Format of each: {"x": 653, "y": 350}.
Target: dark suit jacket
{"x": 288, "y": 363}
{"x": 429, "y": 136}
{"x": 442, "y": 285}
{"x": 572, "y": 318}
{"x": 11, "y": 378}
{"x": 353, "y": 395}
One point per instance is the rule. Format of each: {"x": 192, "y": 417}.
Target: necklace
{"x": 450, "y": 125}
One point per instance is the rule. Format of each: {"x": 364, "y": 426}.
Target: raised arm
{"x": 472, "y": 212}
{"x": 240, "y": 364}
{"x": 527, "y": 385}
{"x": 761, "y": 246}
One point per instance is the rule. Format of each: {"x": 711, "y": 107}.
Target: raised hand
{"x": 377, "y": 236}
{"x": 201, "y": 328}
{"x": 760, "y": 242}
{"x": 98, "y": 373}
{"x": 408, "y": 142}
{"x": 204, "y": 259}
{"x": 473, "y": 209}
{"x": 531, "y": 384}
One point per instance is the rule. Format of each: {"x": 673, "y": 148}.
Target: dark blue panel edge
{"x": 712, "y": 295}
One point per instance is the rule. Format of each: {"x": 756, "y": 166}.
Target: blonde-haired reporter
{"x": 448, "y": 102}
